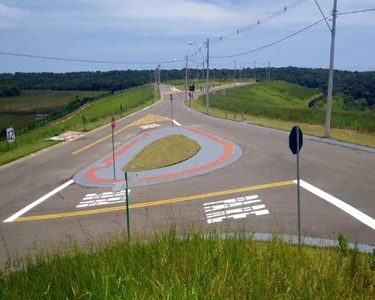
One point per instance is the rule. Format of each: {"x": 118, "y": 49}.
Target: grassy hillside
{"x": 42, "y": 101}
{"x": 21, "y": 111}
{"x": 199, "y": 266}
{"x": 180, "y": 84}
{"x": 289, "y": 102}
{"x": 96, "y": 114}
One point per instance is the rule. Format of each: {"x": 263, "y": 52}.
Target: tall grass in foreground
{"x": 194, "y": 267}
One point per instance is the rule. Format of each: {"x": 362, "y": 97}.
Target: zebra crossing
{"x": 236, "y": 208}
{"x": 106, "y": 198}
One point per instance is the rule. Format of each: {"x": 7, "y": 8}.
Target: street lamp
{"x": 207, "y": 59}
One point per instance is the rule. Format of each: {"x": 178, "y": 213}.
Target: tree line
{"x": 356, "y": 88}
{"x": 9, "y": 90}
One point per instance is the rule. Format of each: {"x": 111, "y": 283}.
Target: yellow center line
{"x": 99, "y": 140}
{"x": 154, "y": 203}
{"x": 145, "y": 120}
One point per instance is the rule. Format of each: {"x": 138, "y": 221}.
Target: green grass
{"x": 198, "y": 266}
{"x": 97, "y": 114}
{"x": 164, "y": 152}
{"x": 20, "y": 111}
{"x": 288, "y": 102}
{"x": 180, "y": 84}
{"x": 345, "y": 135}
{"x": 42, "y": 101}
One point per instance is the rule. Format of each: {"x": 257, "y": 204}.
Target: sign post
{"x": 11, "y": 136}
{"x": 295, "y": 145}
{"x": 171, "y": 98}
{"x": 127, "y": 204}
{"x": 113, "y": 124}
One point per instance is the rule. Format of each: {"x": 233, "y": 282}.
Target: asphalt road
{"x": 343, "y": 176}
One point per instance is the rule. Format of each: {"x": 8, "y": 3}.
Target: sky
{"x": 143, "y": 33}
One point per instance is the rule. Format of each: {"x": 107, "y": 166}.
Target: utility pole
{"x": 202, "y": 71}
{"x": 240, "y": 71}
{"x": 197, "y": 72}
{"x": 255, "y": 78}
{"x": 208, "y": 79}
{"x": 158, "y": 76}
{"x": 235, "y": 69}
{"x": 186, "y": 78}
{"x": 269, "y": 71}
{"x": 330, "y": 76}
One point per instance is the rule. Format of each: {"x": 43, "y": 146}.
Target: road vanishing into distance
{"x": 42, "y": 206}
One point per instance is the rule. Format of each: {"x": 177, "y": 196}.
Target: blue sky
{"x": 160, "y": 30}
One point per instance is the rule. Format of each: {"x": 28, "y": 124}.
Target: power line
{"x": 356, "y": 11}
{"x": 321, "y": 12}
{"x": 285, "y": 9}
{"x": 91, "y": 61}
{"x": 273, "y": 43}
{"x": 262, "y": 21}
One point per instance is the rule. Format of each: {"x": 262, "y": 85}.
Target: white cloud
{"x": 10, "y": 15}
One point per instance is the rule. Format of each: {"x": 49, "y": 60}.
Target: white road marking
{"x": 149, "y": 126}
{"x": 102, "y": 199}
{"x": 235, "y": 208}
{"x": 40, "y": 200}
{"x": 360, "y": 216}
{"x": 174, "y": 121}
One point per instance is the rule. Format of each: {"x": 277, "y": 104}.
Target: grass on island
{"x": 197, "y": 266}
{"x": 164, "y": 152}
{"x": 97, "y": 113}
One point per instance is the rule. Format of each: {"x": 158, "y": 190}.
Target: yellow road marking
{"x": 150, "y": 119}
{"x": 145, "y": 120}
{"x": 155, "y": 203}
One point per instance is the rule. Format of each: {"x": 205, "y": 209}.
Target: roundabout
{"x": 215, "y": 153}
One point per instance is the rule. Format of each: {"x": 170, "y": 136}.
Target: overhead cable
{"x": 271, "y": 44}
{"x": 91, "y": 61}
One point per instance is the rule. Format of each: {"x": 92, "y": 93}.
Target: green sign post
{"x": 127, "y": 204}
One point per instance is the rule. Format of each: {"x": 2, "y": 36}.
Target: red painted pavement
{"x": 228, "y": 152}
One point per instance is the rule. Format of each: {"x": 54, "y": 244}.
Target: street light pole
{"x": 208, "y": 79}
{"x": 330, "y": 76}
{"x": 186, "y": 77}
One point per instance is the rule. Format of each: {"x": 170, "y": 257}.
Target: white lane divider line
{"x": 40, "y": 200}
{"x": 106, "y": 198}
{"x": 174, "y": 121}
{"x": 236, "y": 208}
{"x": 360, "y": 216}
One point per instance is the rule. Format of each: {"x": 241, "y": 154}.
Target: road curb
{"x": 307, "y": 136}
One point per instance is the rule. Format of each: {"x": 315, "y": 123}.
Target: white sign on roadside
{"x": 118, "y": 186}
{"x": 11, "y": 135}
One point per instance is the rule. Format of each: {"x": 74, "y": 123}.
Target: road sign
{"x": 171, "y": 97}
{"x": 295, "y": 145}
{"x": 293, "y": 139}
{"x": 11, "y": 135}
{"x": 118, "y": 186}
{"x": 113, "y": 123}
